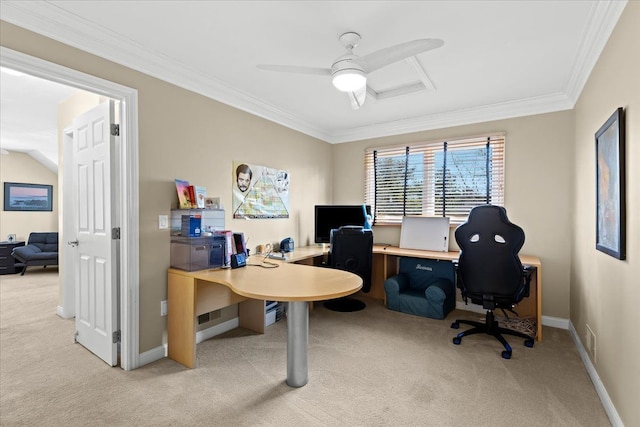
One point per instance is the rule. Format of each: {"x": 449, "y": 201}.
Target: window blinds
{"x": 439, "y": 178}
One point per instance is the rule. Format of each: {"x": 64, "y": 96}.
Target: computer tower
{"x": 351, "y": 250}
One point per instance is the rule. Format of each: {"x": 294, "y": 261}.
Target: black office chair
{"x": 489, "y": 271}
{"x": 351, "y": 250}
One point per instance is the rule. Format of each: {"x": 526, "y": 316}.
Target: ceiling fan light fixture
{"x": 349, "y": 80}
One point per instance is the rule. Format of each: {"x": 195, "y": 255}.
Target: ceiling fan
{"x": 349, "y": 71}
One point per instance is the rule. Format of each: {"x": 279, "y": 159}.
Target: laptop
{"x": 426, "y": 233}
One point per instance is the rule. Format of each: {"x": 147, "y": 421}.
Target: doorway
{"x": 126, "y": 201}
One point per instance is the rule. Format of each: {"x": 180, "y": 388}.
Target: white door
{"x": 93, "y": 248}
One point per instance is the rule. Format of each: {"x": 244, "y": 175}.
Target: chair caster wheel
{"x": 528, "y": 343}
{"x": 506, "y": 354}
{"x": 455, "y": 325}
{"x": 456, "y": 340}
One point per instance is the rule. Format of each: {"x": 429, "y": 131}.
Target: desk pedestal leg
{"x": 297, "y": 343}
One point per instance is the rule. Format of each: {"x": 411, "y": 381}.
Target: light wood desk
{"x": 193, "y": 293}
{"x": 385, "y": 264}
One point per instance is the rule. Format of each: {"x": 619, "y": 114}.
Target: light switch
{"x": 163, "y": 222}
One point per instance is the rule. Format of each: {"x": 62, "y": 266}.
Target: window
{"x": 440, "y": 178}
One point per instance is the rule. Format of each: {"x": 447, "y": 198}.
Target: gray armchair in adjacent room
{"x": 424, "y": 287}
{"x": 41, "y": 249}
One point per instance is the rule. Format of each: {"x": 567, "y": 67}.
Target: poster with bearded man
{"x": 259, "y": 191}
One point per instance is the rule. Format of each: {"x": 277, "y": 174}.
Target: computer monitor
{"x": 328, "y": 217}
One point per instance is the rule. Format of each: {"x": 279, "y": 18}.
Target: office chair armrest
{"x": 528, "y": 270}
{"x": 527, "y": 273}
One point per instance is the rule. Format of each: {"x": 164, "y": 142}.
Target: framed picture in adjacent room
{"x": 610, "y": 186}
{"x": 27, "y": 197}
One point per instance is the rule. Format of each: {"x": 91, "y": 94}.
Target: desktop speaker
{"x": 351, "y": 250}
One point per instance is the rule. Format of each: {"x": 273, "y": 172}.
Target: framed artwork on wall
{"x": 28, "y": 197}
{"x": 259, "y": 191}
{"x": 610, "y": 186}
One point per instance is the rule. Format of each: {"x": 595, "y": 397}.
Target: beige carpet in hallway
{"x": 369, "y": 368}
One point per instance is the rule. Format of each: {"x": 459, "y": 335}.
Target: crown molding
{"x": 602, "y": 19}
{"x": 49, "y": 20}
{"x": 485, "y": 113}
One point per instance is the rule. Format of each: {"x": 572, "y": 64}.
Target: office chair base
{"x": 344, "y": 305}
{"x": 490, "y": 327}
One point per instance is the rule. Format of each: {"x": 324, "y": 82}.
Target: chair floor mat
{"x": 526, "y": 325}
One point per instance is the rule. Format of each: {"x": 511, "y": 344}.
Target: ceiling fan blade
{"x": 357, "y": 98}
{"x": 296, "y": 69}
{"x": 389, "y": 55}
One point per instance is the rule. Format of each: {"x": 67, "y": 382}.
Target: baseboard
{"x": 152, "y": 355}
{"x": 554, "y": 322}
{"x": 60, "y": 312}
{"x": 460, "y": 305}
{"x": 614, "y": 418}
{"x": 162, "y": 351}
{"x": 218, "y": 329}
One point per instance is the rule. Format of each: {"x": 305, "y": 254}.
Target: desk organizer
{"x": 197, "y": 253}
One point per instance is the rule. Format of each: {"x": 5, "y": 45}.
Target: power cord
{"x": 264, "y": 263}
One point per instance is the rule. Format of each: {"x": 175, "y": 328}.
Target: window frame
{"x": 429, "y": 189}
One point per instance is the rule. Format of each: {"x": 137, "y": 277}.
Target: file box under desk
{"x": 197, "y": 253}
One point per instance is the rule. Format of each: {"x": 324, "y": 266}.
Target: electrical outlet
{"x": 163, "y": 308}
{"x": 163, "y": 222}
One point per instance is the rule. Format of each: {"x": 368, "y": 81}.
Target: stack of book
{"x": 190, "y": 196}
{"x": 273, "y": 312}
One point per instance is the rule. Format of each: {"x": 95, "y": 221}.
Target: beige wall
{"x": 188, "y": 136}
{"x": 538, "y": 189}
{"x": 20, "y": 167}
{"x": 605, "y": 292}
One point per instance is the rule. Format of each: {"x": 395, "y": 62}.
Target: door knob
{"x": 73, "y": 243}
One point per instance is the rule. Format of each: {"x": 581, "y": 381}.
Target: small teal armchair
{"x": 423, "y": 287}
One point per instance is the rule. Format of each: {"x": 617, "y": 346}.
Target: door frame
{"x": 127, "y": 200}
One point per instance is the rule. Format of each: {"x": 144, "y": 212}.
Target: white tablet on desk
{"x": 426, "y": 233}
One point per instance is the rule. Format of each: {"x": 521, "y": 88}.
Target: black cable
{"x": 265, "y": 264}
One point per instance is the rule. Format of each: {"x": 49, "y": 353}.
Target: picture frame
{"x": 28, "y": 197}
{"x": 610, "y": 186}
{"x": 212, "y": 202}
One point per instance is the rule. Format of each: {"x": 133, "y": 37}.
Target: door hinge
{"x": 115, "y": 233}
{"x": 116, "y": 337}
{"x": 115, "y": 130}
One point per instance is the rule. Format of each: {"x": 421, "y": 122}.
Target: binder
{"x": 229, "y": 246}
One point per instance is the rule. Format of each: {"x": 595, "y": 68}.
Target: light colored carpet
{"x": 370, "y": 368}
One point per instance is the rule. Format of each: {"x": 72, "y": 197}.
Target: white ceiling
{"x": 29, "y": 115}
{"x": 500, "y": 59}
